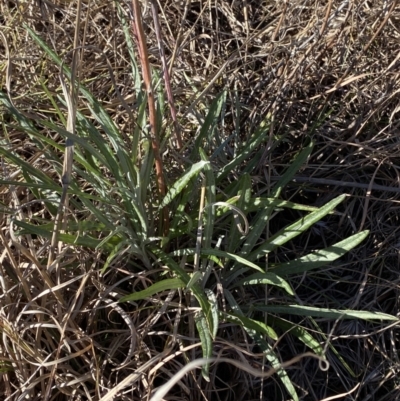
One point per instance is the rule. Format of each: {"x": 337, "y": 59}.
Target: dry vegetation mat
{"x": 199, "y": 200}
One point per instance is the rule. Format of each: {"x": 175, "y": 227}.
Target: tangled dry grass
{"x": 327, "y": 69}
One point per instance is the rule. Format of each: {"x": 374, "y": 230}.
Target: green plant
{"x": 121, "y": 214}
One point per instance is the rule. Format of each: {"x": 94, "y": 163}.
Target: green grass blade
{"x": 160, "y": 286}
{"x": 80, "y": 240}
{"x": 71, "y": 191}
{"x": 83, "y": 142}
{"x": 210, "y": 196}
{"x": 179, "y": 185}
{"x": 104, "y": 155}
{"x": 206, "y": 341}
{"x": 275, "y": 363}
{"x": 234, "y": 236}
{"x": 250, "y": 324}
{"x": 160, "y": 96}
{"x": 295, "y": 166}
{"x": 257, "y": 229}
{"x": 111, "y": 256}
{"x": 300, "y": 310}
{"x": 127, "y": 29}
{"x": 302, "y": 334}
{"x": 81, "y": 226}
{"x": 265, "y": 278}
{"x": 196, "y": 277}
{"x": 254, "y": 142}
{"x": 208, "y": 215}
{"x": 321, "y": 257}
{"x": 256, "y": 204}
{"x": 337, "y": 353}
{"x": 292, "y": 231}
{"x": 21, "y": 119}
{"x": 208, "y": 124}
{"x": 147, "y": 156}
{"x": 34, "y": 185}
{"x": 214, "y": 311}
{"x": 54, "y": 104}
{"x": 28, "y": 168}
{"x": 233, "y": 275}
{"x": 185, "y": 277}
{"x": 231, "y": 256}
{"x": 263, "y": 344}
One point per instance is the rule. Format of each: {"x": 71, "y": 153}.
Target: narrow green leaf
{"x": 267, "y": 349}
{"x": 111, "y": 256}
{"x": 28, "y": 168}
{"x": 160, "y": 286}
{"x": 209, "y": 123}
{"x": 22, "y": 120}
{"x": 184, "y": 276}
{"x": 98, "y": 112}
{"x": 57, "y": 189}
{"x": 160, "y": 95}
{"x": 253, "y": 143}
{"x": 337, "y": 353}
{"x": 126, "y": 26}
{"x": 321, "y": 257}
{"x": 192, "y": 251}
{"x": 275, "y": 363}
{"x": 257, "y": 229}
{"x": 232, "y": 275}
{"x": 234, "y": 236}
{"x": 182, "y": 182}
{"x": 254, "y": 162}
{"x": 83, "y": 142}
{"x": 300, "y": 310}
{"x": 227, "y": 255}
{"x": 232, "y": 302}
{"x": 206, "y": 341}
{"x": 81, "y": 226}
{"x": 181, "y": 225}
{"x": 214, "y": 311}
{"x": 300, "y": 159}
{"x": 87, "y": 241}
{"x": 110, "y": 236}
{"x": 210, "y": 196}
{"x": 194, "y": 279}
{"x": 53, "y": 103}
{"x": 81, "y": 240}
{"x": 292, "y": 231}
{"x": 250, "y": 324}
{"x": 265, "y": 278}
{"x": 52, "y": 187}
{"x": 89, "y": 132}
{"x": 256, "y": 204}
{"x": 302, "y": 334}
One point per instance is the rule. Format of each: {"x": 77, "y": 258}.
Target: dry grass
{"x": 327, "y": 69}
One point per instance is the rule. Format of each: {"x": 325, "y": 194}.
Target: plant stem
{"x": 155, "y": 142}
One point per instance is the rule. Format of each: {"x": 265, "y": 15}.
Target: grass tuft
{"x": 199, "y": 200}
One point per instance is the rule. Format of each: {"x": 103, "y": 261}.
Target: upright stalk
{"x": 155, "y": 141}
{"x": 167, "y": 81}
